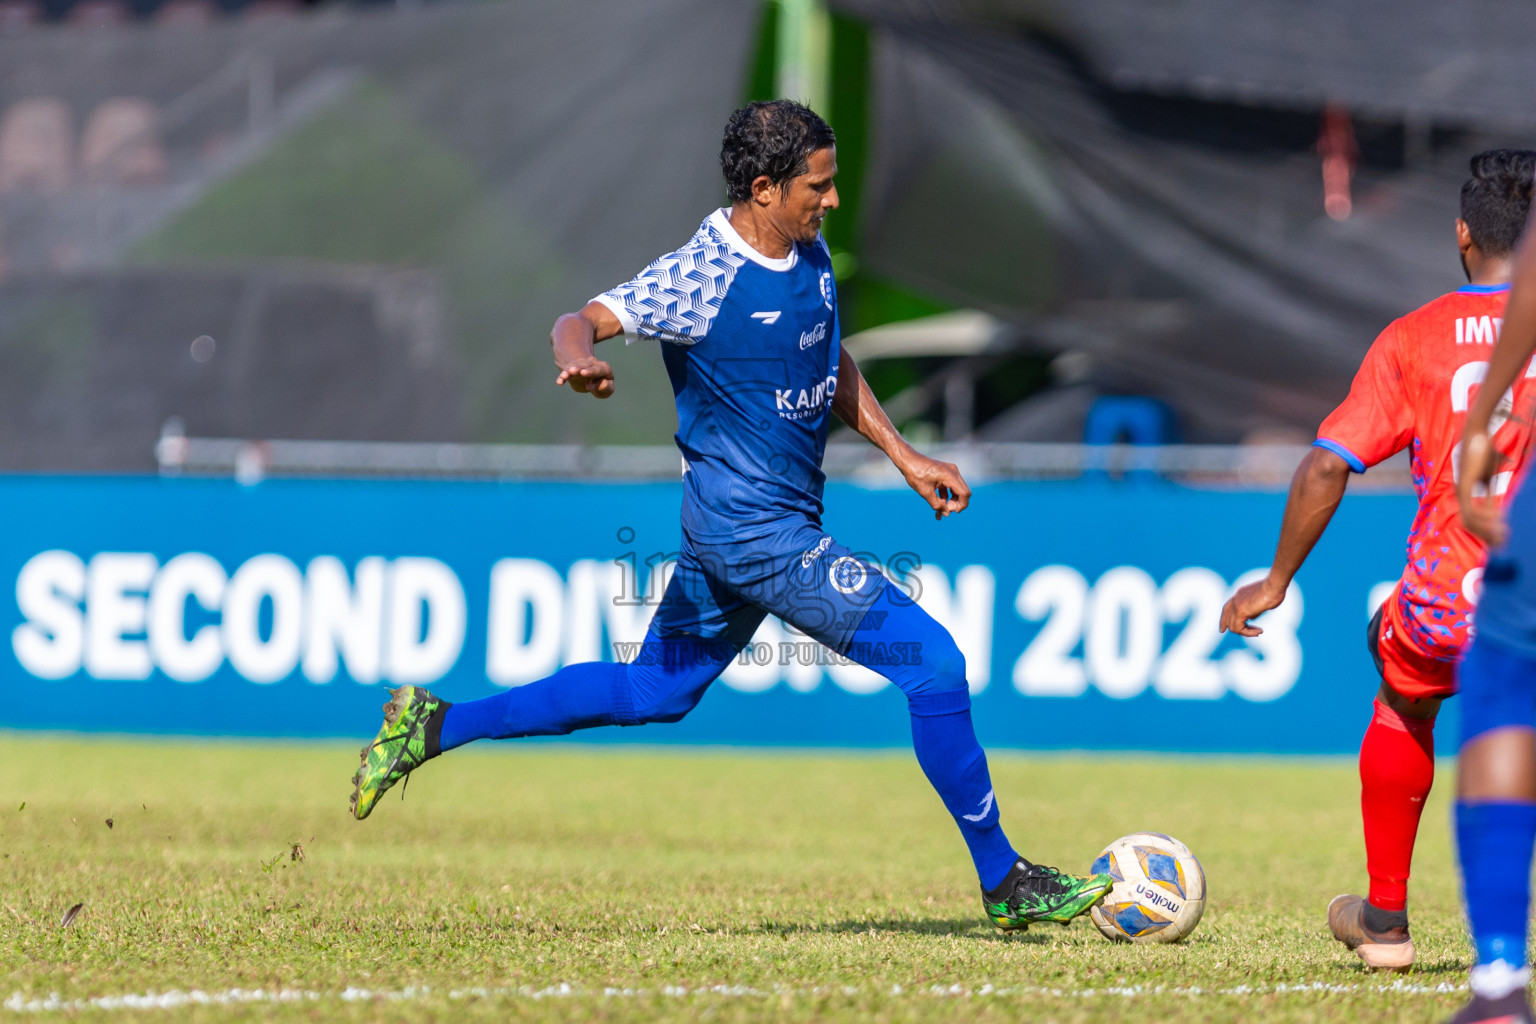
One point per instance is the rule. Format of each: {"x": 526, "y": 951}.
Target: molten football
{"x": 1159, "y": 891}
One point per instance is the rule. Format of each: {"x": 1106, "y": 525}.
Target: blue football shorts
{"x": 798, "y": 573}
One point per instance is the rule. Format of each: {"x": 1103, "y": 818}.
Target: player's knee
{"x": 673, "y": 708}
{"x": 947, "y": 665}
{"x": 941, "y": 665}
{"x": 671, "y": 705}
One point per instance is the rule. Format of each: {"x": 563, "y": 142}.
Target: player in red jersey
{"x": 1412, "y": 391}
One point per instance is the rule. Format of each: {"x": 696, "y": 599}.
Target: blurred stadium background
{"x": 1116, "y": 258}
{"x": 277, "y": 429}
{"x": 375, "y": 210}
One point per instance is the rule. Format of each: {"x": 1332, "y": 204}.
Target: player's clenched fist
{"x": 590, "y": 376}
{"x": 940, "y": 484}
{"x": 1250, "y": 602}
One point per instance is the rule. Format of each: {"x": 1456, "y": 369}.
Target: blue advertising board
{"x": 1087, "y": 611}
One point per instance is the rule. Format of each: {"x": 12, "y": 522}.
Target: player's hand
{"x": 940, "y": 484}
{"x": 1480, "y": 512}
{"x": 1248, "y": 603}
{"x": 588, "y": 375}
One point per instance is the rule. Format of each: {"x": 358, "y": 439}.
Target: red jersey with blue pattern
{"x": 1413, "y": 391}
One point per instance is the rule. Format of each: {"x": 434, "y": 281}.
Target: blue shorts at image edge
{"x": 1506, "y": 610}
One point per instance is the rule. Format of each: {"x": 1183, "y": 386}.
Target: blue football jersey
{"x": 1506, "y": 609}
{"x": 751, "y": 346}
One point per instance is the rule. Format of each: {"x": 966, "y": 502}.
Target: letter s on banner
{"x": 193, "y": 575}
{"x": 518, "y": 651}
{"x": 49, "y": 589}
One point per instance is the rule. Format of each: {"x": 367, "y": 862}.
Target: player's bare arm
{"x": 940, "y": 483}
{"x": 572, "y": 341}
{"x": 1316, "y": 490}
{"x": 1480, "y": 511}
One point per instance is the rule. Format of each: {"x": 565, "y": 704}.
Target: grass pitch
{"x": 570, "y": 883}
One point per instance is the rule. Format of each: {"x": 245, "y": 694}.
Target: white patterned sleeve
{"x": 676, "y": 298}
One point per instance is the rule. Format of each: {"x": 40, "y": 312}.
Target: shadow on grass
{"x": 967, "y": 926}
{"x": 1422, "y": 972}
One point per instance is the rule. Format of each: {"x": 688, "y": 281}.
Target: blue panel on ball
{"x": 1163, "y": 869}
{"x": 1100, "y": 866}
{"x": 1135, "y": 921}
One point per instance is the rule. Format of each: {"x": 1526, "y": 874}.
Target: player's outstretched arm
{"x": 1480, "y": 512}
{"x": 940, "y": 483}
{"x": 571, "y": 341}
{"x": 1316, "y": 490}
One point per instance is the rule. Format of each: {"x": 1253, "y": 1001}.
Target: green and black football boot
{"x": 413, "y": 721}
{"x": 1034, "y": 892}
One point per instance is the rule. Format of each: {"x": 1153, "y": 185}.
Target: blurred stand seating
{"x": 358, "y": 353}
{"x": 1260, "y": 465}
{"x": 185, "y": 12}
{"x": 36, "y": 140}
{"x": 121, "y": 144}
{"x": 271, "y": 8}
{"x": 16, "y": 15}
{"x": 98, "y": 14}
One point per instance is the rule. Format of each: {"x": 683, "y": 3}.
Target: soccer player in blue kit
{"x": 1496, "y": 764}
{"x": 746, "y": 314}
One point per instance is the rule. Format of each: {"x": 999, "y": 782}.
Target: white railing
{"x": 1248, "y": 466}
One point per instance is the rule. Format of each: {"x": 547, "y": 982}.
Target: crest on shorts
{"x": 848, "y": 575}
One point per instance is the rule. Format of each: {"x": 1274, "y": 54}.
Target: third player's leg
{"x": 1496, "y": 810}
{"x": 1397, "y": 770}
{"x": 1397, "y": 759}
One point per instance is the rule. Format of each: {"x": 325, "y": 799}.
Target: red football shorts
{"x": 1403, "y": 666}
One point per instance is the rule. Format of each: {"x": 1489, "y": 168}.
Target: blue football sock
{"x": 1494, "y": 843}
{"x": 945, "y": 743}
{"x": 576, "y": 697}
{"x": 667, "y": 678}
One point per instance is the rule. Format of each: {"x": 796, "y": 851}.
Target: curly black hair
{"x": 773, "y": 138}
{"x": 1496, "y": 200}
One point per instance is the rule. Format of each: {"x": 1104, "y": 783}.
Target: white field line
{"x": 176, "y": 998}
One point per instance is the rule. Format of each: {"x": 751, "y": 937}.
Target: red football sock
{"x": 1397, "y": 767}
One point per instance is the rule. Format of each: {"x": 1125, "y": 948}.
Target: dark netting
{"x": 374, "y": 216}
{"x": 1179, "y": 244}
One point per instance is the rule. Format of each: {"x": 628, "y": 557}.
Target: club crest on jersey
{"x": 848, "y": 575}
{"x": 826, "y": 288}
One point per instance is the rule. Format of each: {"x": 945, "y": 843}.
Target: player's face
{"x": 810, "y": 196}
